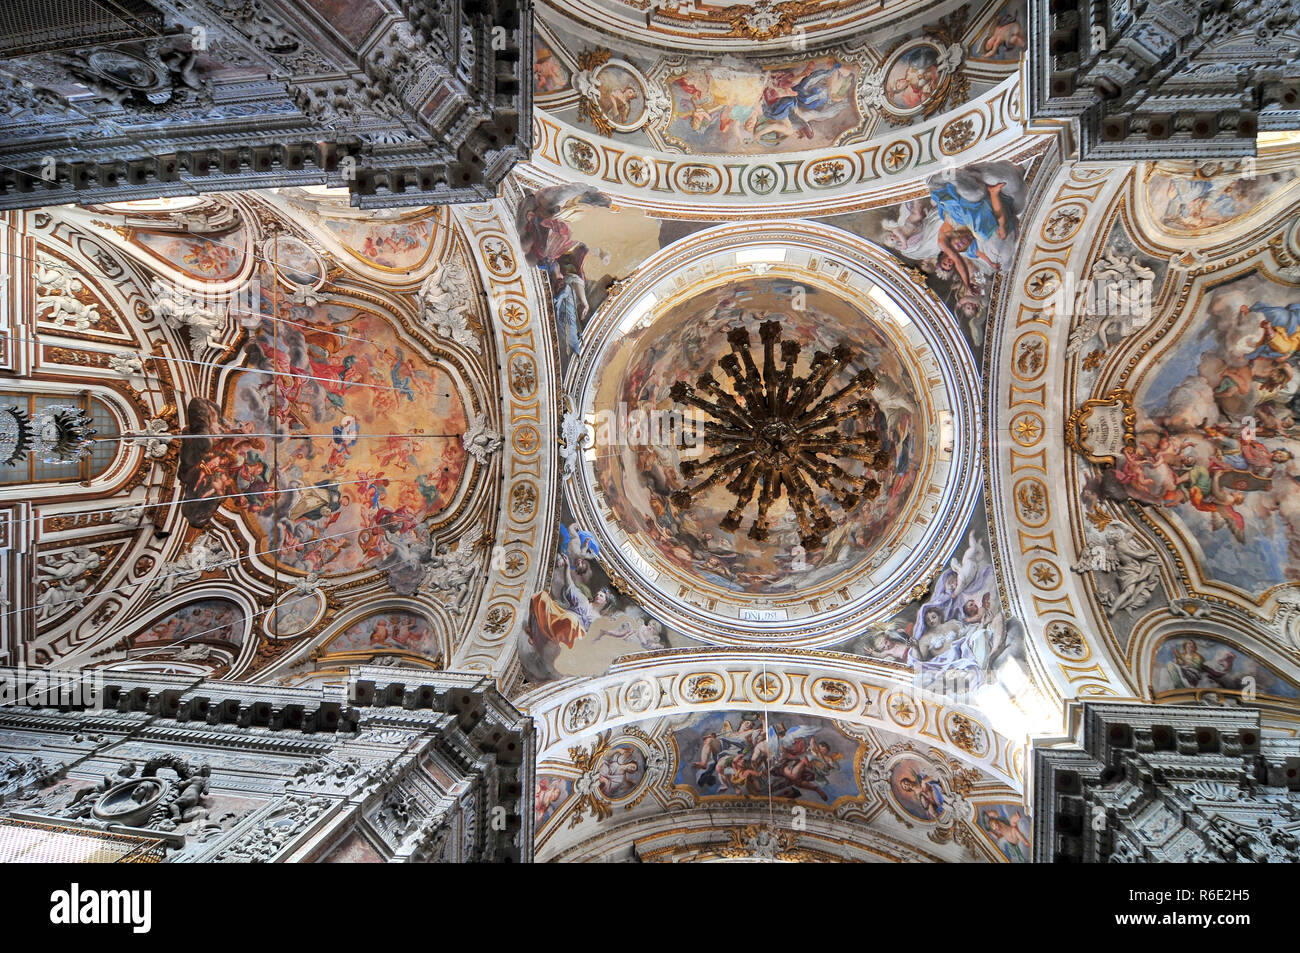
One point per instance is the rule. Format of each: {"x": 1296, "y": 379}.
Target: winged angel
{"x": 173, "y": 307}
{"x": 1121, "y": 551}
{"x": 573, "y": 438}
{"x": 444, "y": 301}
{"x": 452, "y": 573}
{"x": 1124, "y": 286}
{"x": 480, "y": 440}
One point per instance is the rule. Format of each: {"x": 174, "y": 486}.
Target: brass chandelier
{"x": 782, "y": 436}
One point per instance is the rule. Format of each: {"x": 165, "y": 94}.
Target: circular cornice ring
{"x": 941, "y": 500}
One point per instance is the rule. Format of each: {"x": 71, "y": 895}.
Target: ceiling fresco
{"x": 711, "y": 580}
{"x": 348, "y": 375}
{"x": 312, "y": 415}
{"x": 1159, "y": 550}
{"x": 453, "y": 437}
{"x": 700, "y": 778}
{"x": 958, "y": 637}
{"x": 685, "y": 341}
{"x": 744, "y": 26}
{"x": 778, "y": 96}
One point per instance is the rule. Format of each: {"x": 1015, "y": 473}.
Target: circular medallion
{"x": 616, "y": 89}
{"x": 130, "y": 802}
{"x": 296, "y": 263}
{"x": 125, "y": 70}
{"x": 621, "y": 770}
{"x": 918, "y": 789}
{"x": 916, "y": 78}
{"x": 294, "y": 614}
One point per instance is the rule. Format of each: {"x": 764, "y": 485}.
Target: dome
{"x": 808, "y": 500}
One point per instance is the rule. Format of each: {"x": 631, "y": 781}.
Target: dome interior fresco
{"x": 685, "y": 341}
{"x": 1049, "y": 408}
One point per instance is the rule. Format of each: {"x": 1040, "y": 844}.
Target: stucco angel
{"x": 130, "y": 366}
{"x": 176, "y": 309}
{"x": 72, "y": 564}
{"x": 58, "y": 290}
{"x": 1118, "y": 301}
{"x": 452, "y": 572}
{"x": 573, "y": 437}
{"x": 206, "y": 554}
{"x": 444, "y": 303}
{"x": 480, "y": 440}
{"x": 1119, "y": 551}
{"x": 61, "y": 594}
{"x": 154, "y": 438}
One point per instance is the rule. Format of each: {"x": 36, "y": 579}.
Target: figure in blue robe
{"x": 974, "y": 214}
{"x": 1284, "y": 318}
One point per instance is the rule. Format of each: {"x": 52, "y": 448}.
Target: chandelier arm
{"x": 691, "y": 468}
{"x": 687, "y": 395}
{"x": 867, "y": 439}
{"x": 836, "y": 470}
{"x": 814, "y": 537}
{"x": 755, "y": 398}
{"x": 790, "y": 355}
{"x": 821, "y": 516}
{"x": 855, "y": 384}
{"x": 729, "y": 402}
{"x": 743, "y": 488}
{"x": 745, "y": 478}
{"x": 724, "y": 435}
{"x": 854, "y": 409}
{"x": 730, "y": 364}
{"x": 795, "y": 493}
{"x": 714, "y": 478}
{"x": 771, "y": 491}
{"x": 758, "y": 530}
{"x": 856, "y": 453}
{"x": 720, "y": 468}
{"x": 769, "y": 331}
{"x": 846, "y": 496}
{"x": 813, "y": 384}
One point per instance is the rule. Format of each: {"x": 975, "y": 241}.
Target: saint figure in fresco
{"x": 979, "y": 206}
{"x": 1007, "y": 833}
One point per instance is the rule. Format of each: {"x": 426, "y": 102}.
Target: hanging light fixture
{"x": 15, "y": 435}
{"x": 776, "y": 434}
{"x": 63, "y": 434}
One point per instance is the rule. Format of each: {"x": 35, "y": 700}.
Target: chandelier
{"x": 63, "y": 434}
{"x": 776, "y": 434}
{"x": 15, "y": 435}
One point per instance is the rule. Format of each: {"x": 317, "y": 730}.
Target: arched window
{"x": 34, "y": 470}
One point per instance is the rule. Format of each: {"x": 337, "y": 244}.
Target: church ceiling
{"x": 788, "y": 124}
{"x": 1150, "y": 323}
{"x": 744, "y": 27}
{"x": 797, "y": 93}
{"x": 1059, "y": 397}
